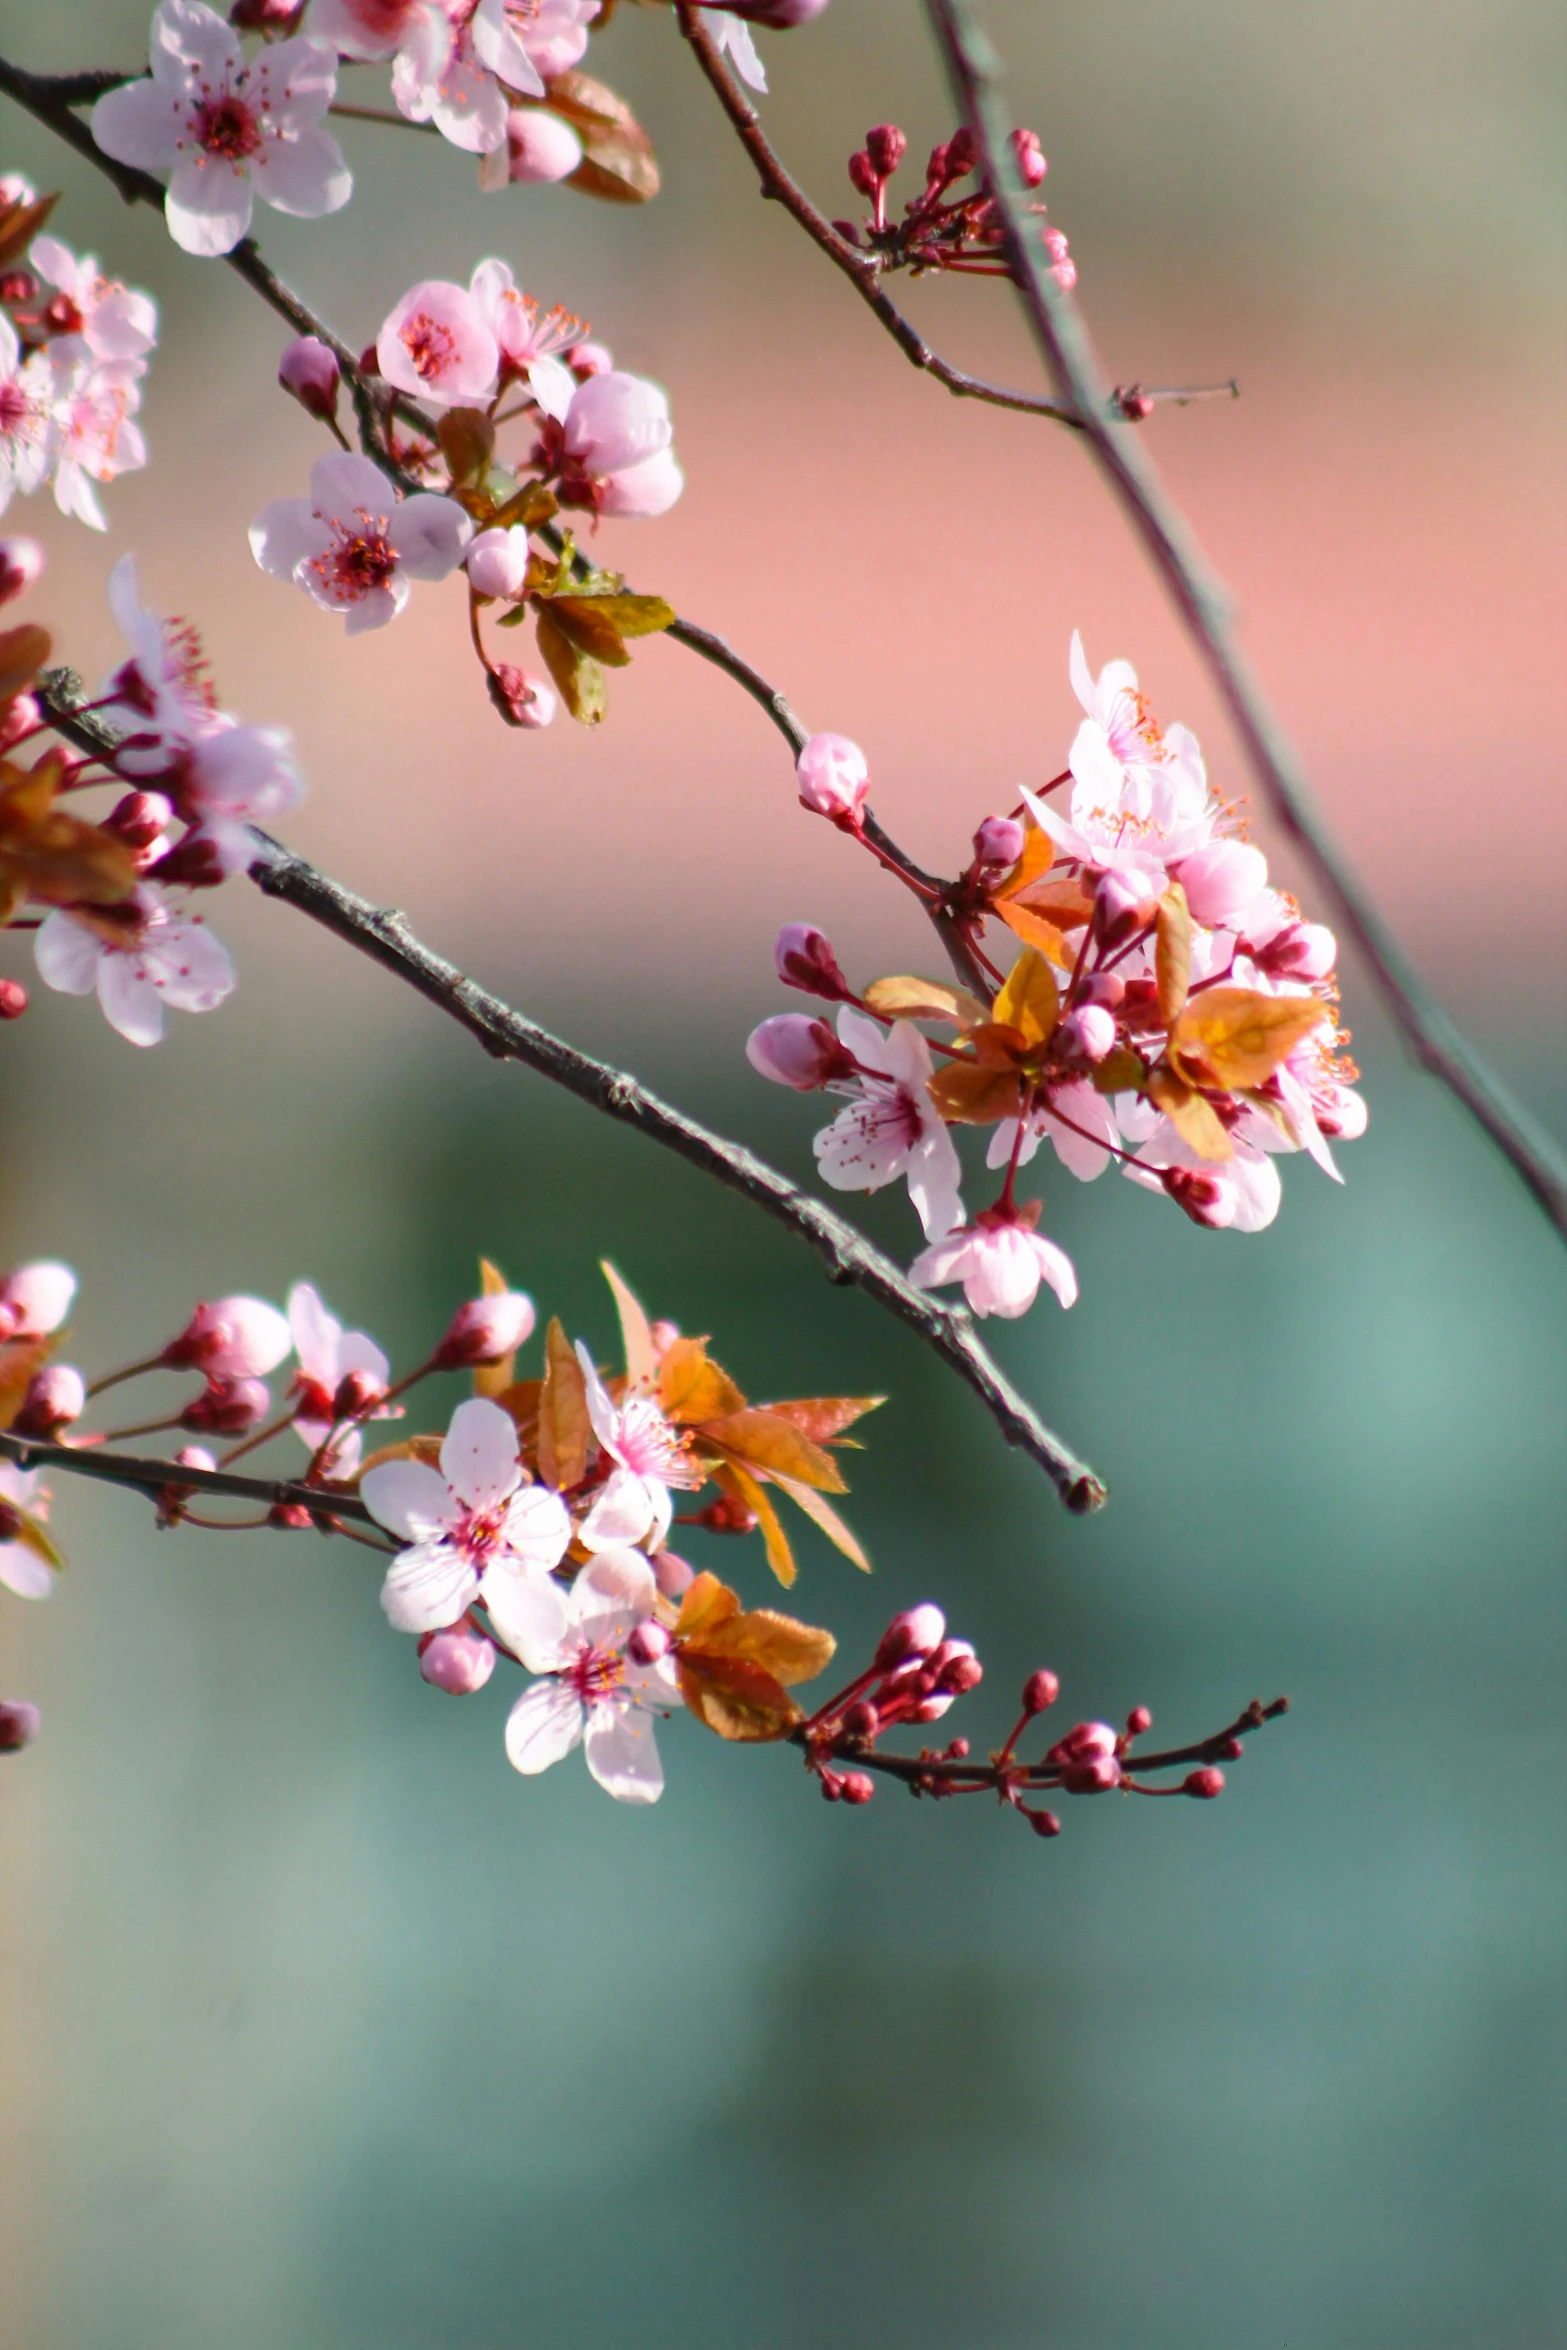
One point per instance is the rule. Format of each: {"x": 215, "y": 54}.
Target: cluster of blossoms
{"x": 535, "y": 1531}
{"x": 940, "y": 230}
{"x": 191, "y": 780}
{"x": 1169, "y": 1010}
{"x": 454, "y": 364}
{"x": 73, "y": 351}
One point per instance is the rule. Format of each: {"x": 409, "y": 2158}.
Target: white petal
{"x": 129, "y": 1000}
{"x": 538, "y": 1527}
{"x": 429, "y": 534}
{"x": 611, "y": 1597}
{"x": 373, "y": 610}
{"x": 622, "y": 1513}
{"x": 315, "y": 1334}
{"x": 864, "y": 1037}
{"x": 553, "y": 385}
{"x": 208, "y": 205}
{"x": 66, "y": 954}
{"x": 934, "y": 1175}
{"x": 344, "y": 484}
{"x": 428, "y": 1587}
{"x": 408, "y": 1498}
{"x": 138, "y": 124}
{"x": 24, "y": 1572}
{"x": 542, "y": 1727}
{"x": 305, "y": 175}
{"x": 622, "y": 1753}
{"x": 479, "y": 1457}
{"x": 1056, "y": 1267}
{"x": 529, "y": 1612}
{"x": 286, "y": 534}
{"x": 600, "y": 1410}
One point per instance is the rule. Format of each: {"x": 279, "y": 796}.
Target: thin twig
{"x": 925, "y": 1773}
{"x": 160, "y": 1477}
{"x": 976, "y": 73}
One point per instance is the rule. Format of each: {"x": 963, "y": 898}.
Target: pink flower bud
{"x": 834, "y": 777}
{"x": 540, "y": 146}
{"x": 1092, "y": 1778}
{"x": 1134, "y": 405}
{"x": 1103, "y": 987}
{"x": 194, "y": 1456}
{"x": 805, "y": 960}
{"x": 673, "y": 1574}
{"x": 1088, "y": 1033}
{"x": 886, "y": 146}
{"x": 497, "y": 562}
{"x": 1202, "y": 1197}
{"x": 911, "y": 1637}
{"x": 779, "y": 16}
{"x": 858, "y": 1787}
{"x": 274, "y": 18}
{"x": 962, "y": 152}
{"x": 1040, "y": 1690}
{"x": 1120, "y": 911}
{"x": 957, "y": 1668}
{"x": 1139, "y": 1722}
{"x": 793, "y": 1049}
{"x": 647, "y": 1642}
{"x": 1043, "y": 1823}
{"x": 290, "y": 1517}
{"x": 521, "y": 700}
{"x": 13, "y": 999}
{"x": 1301, "y": 950}
{"x": 1206, "y": 1783}
{"x": 23, "y": 716}
{"x": 1232, "y": 1750}
{"x": 55, "y": 1397}
{"x": 485, "y": 1330}
{"x": 1029, "y": 157}
{"x": 227, "y": 1406}
{"x": 863, "y": 175}
{"x": 21, "y": 566}
{"x": 140, "y": 819}
{"x": 459, "y": 1661}
{"x": 931, "y": 1709}
{"x": 309, "y": 370}
{"x": 585, "y": 359}
{"x": 999, "y": 841}
{"x": 862, "y": 1720}
{"x": 1085, "y": 1742}
{"x": 236, "y": 1337}
{"x": 1221, "y": 880}
{"x": 356, "y": 1391}
{"x": 20, "y": 1724}
{"x": 35, "y": 1299}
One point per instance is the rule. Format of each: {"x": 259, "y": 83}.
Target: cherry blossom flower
{"x": 471, "y": 1527}
{"x": 230, "y": 1339}
{"x": 23, "y": 1497}
{"x": 35, "y": 1299}
{"x": 164, "y": 693}
{"x": 1001, "y": 1261}
{"x": 590, "y": 1692}
{"x": 437, "y": 345}
{"x": 95, "y": 437}
{"x": 114, "y": 321}
{"x": 732, "y": 39}
{"x": 650, "y": 1456}
{"x": 239, "y": 773}
{"x": 891, "y": 1126}
{"x": 617, "y": 438}
{"x": 29, "y": 432}
{"x": 1079, "y": 1121}
{"x": 453, "y": 61}
{"x": 226, "y": 131}
{"x": 139, "y": 957}
{"x": 529, "y": 339}
{"x": 353, "y": 546}
{"x": 1240, "y": 1193}
{"x": 486, "y": 1330}
{"x": 328, "y": 1354}
{"x": 1140, "y": 800}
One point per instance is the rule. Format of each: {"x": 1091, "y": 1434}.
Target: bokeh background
{"x": 320, "y": 2028}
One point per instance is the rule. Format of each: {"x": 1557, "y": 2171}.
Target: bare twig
{"x": 933, "y": 1773}
{"x": 976, "y": 73}
{"x": 160, "y": 1477}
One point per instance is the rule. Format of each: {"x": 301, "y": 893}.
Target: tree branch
{"x": 976, "y": 73}
{"x": 160, "y": 1477}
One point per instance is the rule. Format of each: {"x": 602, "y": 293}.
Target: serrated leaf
{"x": 825, "y": 1517}
{"x": 636, "y": 1334}
{"x": 578, "y": 675}
{"x": 906, "y": 996}
{"x": 1233, "y": 1036}
{"x": 692, "y": 1387}
{"x": 1195, "y": 1120}
{"x": 1173, "y": 953}
{"x": 565, "y": 1431}
{"x": 1030, "y": 1001}
{"x": 823, "y": 1417}
{"x": 766, "y": 1440}
{"x": 492, "y": 1379}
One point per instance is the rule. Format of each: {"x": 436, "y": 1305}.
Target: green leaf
{"x": 578, "y": 675}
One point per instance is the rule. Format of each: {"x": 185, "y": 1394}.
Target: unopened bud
{"x": 140, "y": 818}
{"x": 673, "y": 1574}
{"x": 540, "y": 147}
{"x": 858, "y": 1787}
{"x": 13, "y": 999}
{"x": 911, "y": 1637}
{"x": 1088, "y": 1034}
{"x": 862, "y": 1720}
{"x": 834, "y": 777}
{"x": 227, "y": 1407}
{"x": 793, "y": 1049}
{"x": 11, "y": 1521}
{"x": 1232, "y": 1750}
{"x": 235, "y": 1337}
{"x": 1029, "y": 157}
{"x": 886, "y": 146}
{"x": 19, "y": 285}
{"x": 275, "y": 18}
{"x": 999, "y": 841}
{"x": 585, "y": 359}
{"x": 727, "y": 1516}
{"x": 1202, "y": 1197}
{"x": 1085, "y": 1742}
{"x": 1301, "y": 950}
{"x": 20, "y": 1724}
{"x": 647, "y": 1642}
{"x": 22, "y": 716}
{"x": 356, "y": 1391}
{"x": 958, "y": 1750}
{"x": 832, "y": 1786}
{"x": 863, "y": 175}
{"x": 485, "y": 1330}
{"x": 1120, "y": 911}
{"x": 1205, "y": 1783}
{"x": 290, "y": 1517}
{"x": 1134, "y": 405}
{"x": 21, "y": 566}
{"x": 779, "y": 16}
{"x": 194, "y": 1456}
{"x": 310, "y": 371}
{"x": 1040, "y": 1690}
{"x": 459, "y": 1661}
{"x": 1103, "y": 987}
{"x": 1139, "y": 1722}
{"x": 1043, "y": 1823}
{"x": 497, "y": 562}
{"x": 1092, "y": 1778}
{"x": 931, "y": 1709}
{"x": 521, "y": 699}
{"x": 55, "y": 1397}
{"x": 956, "y": 1668}
{"x": 804, "y": 959}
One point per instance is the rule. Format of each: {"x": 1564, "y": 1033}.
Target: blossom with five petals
{"x": 353, "y": 545}
{"x": 114, "y": 321}
{"x": 29, "y": 433}
{"x": 529, "y": 339}
{"x": 649, "y": 1455}
{"x": 1140, "y": 798}
{"x": 891, "y": 1126}
{"x": 453, "y": 62}
{"x": 96, "y": 440}
{"x": 589, "y": 1691}
{"x": 437, "y": 345}
{"x": 472, "y": 1527}
{"x": 139, "y": 957}
{"x": 1001, "y": 1261}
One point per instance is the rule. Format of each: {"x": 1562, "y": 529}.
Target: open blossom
{"x": 1001, "y": 1261}
{"x": 96, "y": 439}
{"x": 139, "y": 957}
{"x": 163, "y": 695}
{"x": 453, "y": 62}
{"x": 1140, "y": 800}
{"x": 617, "y": 439}
{"x": 353, "y": 546}
{"x": 328, "y": 1354}
{"x": 590, "y": 1692}
{"x": 227, "y": 131}
{"x": 29, "y": 433}
{"x": 437, "y": 345}
{"x": 35, "y": 1299}
{"x": 649, "y": 1455}
{"x": 1079, "y": 1121}
{"x": 24, "y": 1502}
{"x": 529, "y": 339}
{"x": 891, "y": 1126}
{"x": 471, "y": 1527}
{"x": 114, "y": 321}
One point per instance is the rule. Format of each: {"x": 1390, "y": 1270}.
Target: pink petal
{"x": 479, "y": 1457}
{"x": 542, "y": 1727}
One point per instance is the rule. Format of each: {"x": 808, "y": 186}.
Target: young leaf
{"x": 578, "y": 675}
{"x": 736, "y": 1701}
{"x": 635, "y": 1331}
{"x": 1195, "y": 1120}
{"x": 1035, "y": 931}
{"x": 1121, "y": 1071}
{"x": 1232, "y": 1036}
{"x": 765, "y": 1440}
{"x": 585, "y": 623}
{"x": 23, "y": 652}
{"x": 1030, "y": 1002}
{"x": 565, "y": 1431}
{"x": 909, "y": 998}
{"x": 968, "y": 1095}
{"x": 823, "y": 1417}
{"x": 467, "y": 438}
{"x": 692, "y": 1387}
{"x": 743, "y": 1487}
{"x": 1173, "y": 953}
{"x": 823, "y": 1515}
{"x": 789, "y": 1650}
{"x": 618, "y": 162}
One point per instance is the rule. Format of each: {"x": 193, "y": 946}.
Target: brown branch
{"x": 160, "y": 1477}
{"x": 976, "y": 73}
{"x": 932, "y": 1772}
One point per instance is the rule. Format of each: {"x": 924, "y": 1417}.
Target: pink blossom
{"x": 523, "y": 699}
{"x": 56, "y": 1396}
{"x": 238, "y": 773}
{"x": 803, "y": 958}
{"x": 437, "y": 345}
{"x": 228, "y": 1407}
{"x": 230, "y": 1338}
{"x": 834, "y": 776}
{"x": 1240, "y": 1193}
{"x": 20, "y": 1724}
{"x": 539, "y": 147}
{"x": 1281, "y": 945}
{"x": 24, "y": 1504}
{"x": 164, "y": 693}
{"x": 472, "y": 1527}
{"x": 95, "y": 438}
{"x": 227, "y": 131}
{"x": 1140, "y": 799}
{"x": 1080, "y": 1123}
{"x": 35, "y": 1299}
{"x": 29, "y": 432}
{"x": 486, "y": 1330}
{"x": 618, "y": 438}
{"x": 1001, "y": 1262}
{"x": 1222, "y": 881}
{"x": 999, "y": 841}
{"x": 454, "y": 62}
{"x": 590, "y": 1691}
{"x": 138, "y": 957}
{"x": 1088, "y": 1033}
{"x": 649, "y": 1455}
{"x": 528, "y": 339}
{"x": 309, "y": 369}
{"x": 891, "y": 1126}
{"x": 114, "y": 321}
{"x": 328, "y": 1354}
{"x": 497, "y": 563}
{"x": 793, "y": 1049}
{"x": 732, "y": 39}
{"x": 353, "y": 546}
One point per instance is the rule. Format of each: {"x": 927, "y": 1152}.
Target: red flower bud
{"x": 310, "y": 371}
{"x": 1043, "y": 1823}
{"x": 647, "y": 1642}
{"x": 356, "y": 1391}
{"x": 886, "y": 147}
{"x": 862, "y": 174}
{"x": 20, "y": 1724}
{"x": 1139, "y": 1722}
{"x": 858, "y": 1787}
{"x": 485, "y": 1330}
{"x": 1206, "y": 1783}
{"x": 862, "y": 1720}
{"x": 13, "y": 999}
{"x": 804, "y": 959}
{"x": 227, "y": 1407}
{"x": 999, "y": 841}
{"x": 1040, "y": 1690}
{"x": 911, "y": 1637}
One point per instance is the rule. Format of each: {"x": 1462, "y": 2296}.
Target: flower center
{"x": 595, "y": 1673}
{"x": 359, "y": 562}
{"x": 648, "y": 1445}
{"x": 482, "y": 1534}
{"x": 15, "y": 407}
{"x": 227, "y": 129}
{"x": 431, "y": 346}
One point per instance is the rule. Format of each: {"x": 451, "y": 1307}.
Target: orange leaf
{"x": 23, "y": 652}
{"x": 692, "y": 1387}
{"x": 1195, "y": 1120}
{"x": 635, "y": 1330}
{"x": 707, "y": 1602}
{"x": 1030, "y": 1001}
{"x": 737, "y": 1701}
{"x": 565, "y": 1431}
{"x": 738, "y": 1482}
{"x": 1036, "y": 932}
{"x": 910, "y": 998}
{"x": 21, "y": 1359}
{"x": 967, "y": 1095}
{"x": 766, "y": 1440}
{"x": 778, "y": 1644}
{"x": 1232, "y": 1036}
{"x": 822, "y": 1514}
{"x": 822, "y": 1417}
{"x": 1173, "y": 953}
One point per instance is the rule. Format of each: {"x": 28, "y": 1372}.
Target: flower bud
{"x": 834, "y": 777}
{"x": 1221, "y": 880}
{"x": 290, "y": 1517}
{"x": 20, "y": 1724}
{"x": 21, "y": 566}
{"x": 1206, "y": 1783}
{"x": 862, "y": 1720}
{"x": 540, "y": 146}
{"x": 585, "y": 359}
{"x": 194, "y": 1456}
{"x": 356, "y": 1391}
{"x": 673, "y": 1574}
{"x": 485, "y": 1330}
{"x": 792, "y": 1049}
{"x": 1103, "y": 987}
{"x": 140, "y": 819}
{"x": 1029, "y": 157}
{"x": 236, "y": 1337}
{"x": 863, "y": 175}
{"x": 728, "y": 1516}
{"x": 309, "y": 370}
{"x": 1202, "y": 1197}
{"x": 1301, "y": 950}
{"x": 1120, "y": 911}
{"x": 497, "y": 562}
{"x": 275, "y": 18}
{"x": 55, "y": 1397}
{"x": 832, "y": 1786}
{"x": 1040, "y": 1690}
{"x": 804, "y": 959}
{"x": 227, "y": 1406}
{"x": 647, "y": 1642}
{"x": 1134, "y": 405}
{"x": 858, "y": 1787}
{"x": 1092, "y": 1778}
{"x": 13, "y": 999}
{"x": 886, "y": 146}
{"x": 1232, "y": 1750}
{"x": 35, "y": 1299}
{"x": 911, "y": 1637}
{"x": 1085, "y": 1742}
{"x": 962, "y": 152}
{"x": 957, "y": 1751}
{"x": 22, "y": 716}
{"x": 1043, "y": 1823}
{"x": 957, "y": 1669}
{"x": 999, "y": 841}
{"x": 459, "y": 1660}
{"x": 931, "y": 1709}
{"x": 11, "y": 1521}
{"x": 521, "y": 700}
{"x": 1088, "y": 1033}
{"x": 1139, "y": 1722}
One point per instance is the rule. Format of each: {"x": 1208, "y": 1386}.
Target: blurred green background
{"x": 318, "y": 2027}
